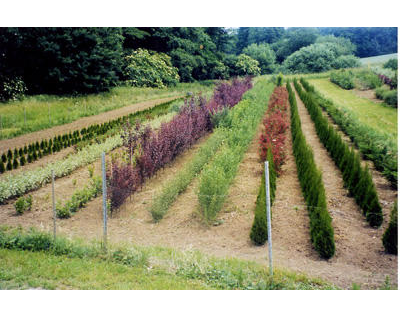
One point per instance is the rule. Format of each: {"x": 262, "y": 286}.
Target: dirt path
{"x": 78, "y": 124}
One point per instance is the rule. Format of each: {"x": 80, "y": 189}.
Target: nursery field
{"x": 186, "y": 194}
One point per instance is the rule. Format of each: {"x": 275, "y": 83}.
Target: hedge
{"x": 313, "y": 189}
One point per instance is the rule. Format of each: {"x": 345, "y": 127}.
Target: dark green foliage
{"x": 34, "y": 156}
{"x": 390, "y": 237}
{"x": 9, "y": 165}
{"x": 259, "y": 232}
{"x": 4, "y": 158}
{"x": 16, "y": 154}
{"x": 9, "y": 154}
{"x": 310, "y": 178}
{"x": 2, "y": 168}
{"x": 25, "y": 150}
{"x": 22, "y": 161}
{"x": 369, "y": 41}
{"x": 15, "y": 163}
{"x": 62, "y": 59}
{"x": 20, "y": 152}
{"x": 30, "y": 159}
{"x": 391, "y": 63}
{"x": 356, "y": 179}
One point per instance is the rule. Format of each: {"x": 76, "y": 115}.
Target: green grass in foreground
{"x": 66, "y": 109}
{"x": 33, "y": 260}
{"x": 378, "y": 117}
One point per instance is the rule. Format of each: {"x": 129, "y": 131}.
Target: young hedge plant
{"x": 390, "y": 237}
{"x": 259, "y": 233}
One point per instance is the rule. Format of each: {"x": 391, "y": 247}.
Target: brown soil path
{"x": 359, "y": 247}
{"x": 78, "y": 124}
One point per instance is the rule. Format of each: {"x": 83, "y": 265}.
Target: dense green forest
{"x": 88, "y": 60}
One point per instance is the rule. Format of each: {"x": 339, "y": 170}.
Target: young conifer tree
{"x": 390, "y": 237}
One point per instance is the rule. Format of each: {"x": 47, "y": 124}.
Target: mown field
{"x": 188, "y": 174}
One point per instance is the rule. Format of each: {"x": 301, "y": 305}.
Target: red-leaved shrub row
{"x": 275, "y": 126}
{"x": 154, "y": 149}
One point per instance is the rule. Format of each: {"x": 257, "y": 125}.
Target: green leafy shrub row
{"x": 310, "y": 178}
{"x": 80, "y": 198}
{"x": 377, "y": 147}
{"x": 36, "y": 150}
{"x": 391, "y": 63}
{"x": 356, "y": 179}
{"x": 216, "y": 177}
{"x": 350, "y": 79}
{"x": 389, "y": 96}
{"x": 343, "y": 79}
{"x": 390, "y": 237}
{"x": 178, "y": 185}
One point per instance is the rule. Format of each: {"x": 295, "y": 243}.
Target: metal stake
{"x": 103, "y": 168}
{"x": 268, "y": 204}
{"x": 54, "y": 204}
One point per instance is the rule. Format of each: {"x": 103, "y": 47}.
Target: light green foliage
{"x": 246, "y": 65}
{"x": 217, "y": 176}
{"x": 391, "y": 63}
{"x": 317, "y": 57}
{"x": 264, "y": 55}
{"x": 341, "y": 45}
{"x": 150, "y": 69}
{"x": 344, "y": 79}
{"x": 23, "y": 204}
{"x": 35, "y": 259}
{"x": 178, "y": 185}
{"x": 346, "y": 61}
{"x": 80, "y": 198}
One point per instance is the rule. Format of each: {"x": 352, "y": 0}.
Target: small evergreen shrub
{"x": 23, "y": 204}
{"x": 390, "y": 237}
{"x": 2, "y": 168}
{"x": 391, "y": 63}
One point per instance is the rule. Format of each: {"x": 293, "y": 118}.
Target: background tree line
{"x": 85, "y": 60}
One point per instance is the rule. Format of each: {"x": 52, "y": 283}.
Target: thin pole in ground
{"x": 103, "y": 169}
{"x": 54, "y": 204}
{"x": 268, "y": 204}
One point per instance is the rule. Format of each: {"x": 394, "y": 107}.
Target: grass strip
{"x": 34, "y": 259}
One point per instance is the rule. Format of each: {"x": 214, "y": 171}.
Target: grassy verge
{"x": 380, "y": 118}
{"x": 33, "y": 259}
{"x": 66, "y": 109}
